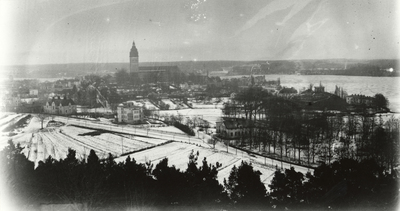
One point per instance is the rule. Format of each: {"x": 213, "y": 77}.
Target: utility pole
{"x": 84, "y": 153}
{"x": 122, "y": 145}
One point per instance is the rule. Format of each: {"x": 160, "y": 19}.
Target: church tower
{"x": 134, "y": 59}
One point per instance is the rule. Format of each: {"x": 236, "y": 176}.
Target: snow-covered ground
{"x": 211, "y": 115}
{"x": 150, "y": 105}
{"x": 5, "y": 120}
{"x": 217, "y": 103}
{"x": 172, "y": 106}
{"x": 168, "y": 129}
{"x": 54, "y": 141}
{"x": 178, "y": 153}
{"x": 9, "y": 118}
{"x": 40, "y": 143}
{"x": 94, "y": 110}
{"x": 207, "y": 106}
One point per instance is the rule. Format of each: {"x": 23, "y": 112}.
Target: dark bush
{"x": 184, "y": 128}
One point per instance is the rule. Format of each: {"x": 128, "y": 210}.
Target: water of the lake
{"x": 388, "y": 86}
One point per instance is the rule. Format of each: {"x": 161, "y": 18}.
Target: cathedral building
{"x": 134, "y": 59}
{"x": 151, "y": 74}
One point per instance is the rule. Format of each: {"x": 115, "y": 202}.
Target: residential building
{"x": 232, "y": 128}
{"x": 287, "y": 92}
{"x": 129, "y": 112}
{"x": 360, "y": 100}
{"x": 61, "y": 106}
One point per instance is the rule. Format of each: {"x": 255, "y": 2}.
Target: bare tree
{"x": 206, "y": 125}
{"x": 212, "y": 141}
{"x": 42, "y": 117}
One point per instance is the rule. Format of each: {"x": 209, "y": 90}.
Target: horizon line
{"x": 175, "y": 61}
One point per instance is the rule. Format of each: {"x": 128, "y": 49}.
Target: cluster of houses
{"x": 314, "y": 99}
{"x": 32, "y": 96}
{"x": 56, "y": 97}
{"x": 245, "y": 82}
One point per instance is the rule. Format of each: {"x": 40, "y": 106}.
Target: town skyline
{"x": 48, "y": 32}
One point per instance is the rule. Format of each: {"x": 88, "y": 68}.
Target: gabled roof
{"x": 62, "y": 102}
{"x": 234, "y": 123}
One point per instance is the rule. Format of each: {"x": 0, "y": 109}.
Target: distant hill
{"x": 328, "y": 67}
{"x": 382, "y": 67}
{"x": 81, "y": 69}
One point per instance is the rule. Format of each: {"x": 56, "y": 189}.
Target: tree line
{"x": 354, "y": 70}
{"x": 105, "y": 184}
{"x": 278, "y": 126}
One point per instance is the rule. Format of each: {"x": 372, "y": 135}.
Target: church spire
{"x": 134, "y": 51}
{"x": 134, "y": 59}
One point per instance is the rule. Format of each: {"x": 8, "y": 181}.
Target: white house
{"x": 33, "y": 92}
{"x": 232, "y": 128}
{"x": 62, "y": 106}
{"x": 129, "y": 112}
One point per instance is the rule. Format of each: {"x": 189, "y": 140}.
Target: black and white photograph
{"x": 221, "y": 105}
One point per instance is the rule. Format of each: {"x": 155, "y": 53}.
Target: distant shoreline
{"x": 238, "y": 75}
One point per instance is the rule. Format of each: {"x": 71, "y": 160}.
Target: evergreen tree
{"x": 170, "y": 183}
{"x": 244, "y": 186}
{"x": 16, "y": 177}
{"x": 287, "y": 188}
{"x": 203, "y": 185}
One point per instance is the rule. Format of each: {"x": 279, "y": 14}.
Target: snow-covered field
{"x": 207, "y": 106}
{"x": 178, "y": 155}
{"x": 168, "y": 129}
{"x": 150, "y": 105}
{"x": 211, "y": 115}
{"x": 39, "y": 144}
{"x": 55, "y": 142}
{"x": 5, "y": 120}
{"x": 179, "y": 104}
{"x": 9, "y": 118}
{"x": 217, "y": 103}
{"x": 172, "y": 106}
{"x": 93, "y": 110}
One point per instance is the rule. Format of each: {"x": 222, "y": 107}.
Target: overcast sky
{"x": 74, "y": 31}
